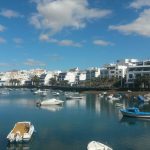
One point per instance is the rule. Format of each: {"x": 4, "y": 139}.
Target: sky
{"x": 63, "y": 34}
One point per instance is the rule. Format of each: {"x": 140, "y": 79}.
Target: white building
{"x": 45, "y": 78}
{"x": 92, "y": 73}
{"x": 142, "y": 68}
{"x": 127, "y": 62}
{"x": 116, "y": 70}
{"x": 69, "y": 76}
{"x": 104, "y": 73}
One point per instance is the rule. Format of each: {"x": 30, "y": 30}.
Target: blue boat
{"x": 141, "y": 98}
{"x": 134, "y": 112}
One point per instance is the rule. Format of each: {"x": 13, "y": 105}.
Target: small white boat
{"x": 38, "y": 92}
{"x": 147, "y": 97}
{"x": 113, "y": 98}
{"x": 93, "y": 145}
{"x": 74, "y": 97}
{"x": 21, "y": 132}
{"x": 56, "y": 93}
{"x": 119, "y": 105}
{"x": 52, "y": 101}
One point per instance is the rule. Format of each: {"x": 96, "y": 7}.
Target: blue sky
{"x": 62, "y": 34}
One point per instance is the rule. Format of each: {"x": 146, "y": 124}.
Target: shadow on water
{"x": 133, "y": 121}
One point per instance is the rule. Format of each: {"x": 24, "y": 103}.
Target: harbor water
{"x": 73, "y": 125}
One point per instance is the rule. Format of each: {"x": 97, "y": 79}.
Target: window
{"x": 112, "y": 71}
{"x": 130, "y": 76}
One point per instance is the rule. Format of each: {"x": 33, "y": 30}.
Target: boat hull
{"x": 50, "y": 102}
{"x": 135, "y": 115}
{"x": 93, "y": 145}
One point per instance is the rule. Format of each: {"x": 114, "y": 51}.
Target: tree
{"x": 35, "y": 80}
{"x": 14, "y": 82}
{"x": 53, "y": 81}
{"x": 63, "y": 83}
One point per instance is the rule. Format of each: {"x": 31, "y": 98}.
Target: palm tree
{"x": 14, "y": 82}
{"x": 35, "y": 80}
{"x": 52, "y": 81}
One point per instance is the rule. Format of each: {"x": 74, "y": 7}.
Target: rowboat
{"x": 134, "y": 112}
{"x": 93, "y": 145}
{"x": 22, "y": 131}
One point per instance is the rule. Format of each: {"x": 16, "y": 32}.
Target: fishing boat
{"x": 21, "y": 132}
{"x": 51, "y": 101}
{"x": 134, "y": 112}
{"x": 93, "y": 145}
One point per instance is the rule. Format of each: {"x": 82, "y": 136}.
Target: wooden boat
{"x": 93, "y": 145}
{"x": 52, "y": 101}
{"x": 134, "y": 112}
{"x": 22, "y": 131}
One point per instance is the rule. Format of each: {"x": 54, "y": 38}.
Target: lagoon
{"x": 74, "y": 125}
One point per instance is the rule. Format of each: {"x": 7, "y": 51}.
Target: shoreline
{"x": 82, "y": 89}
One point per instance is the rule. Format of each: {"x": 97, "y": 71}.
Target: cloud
{"x": 18, "y": 40}
{"x": 140, "y": 26}
{"x": 53, "y": 16}
{"x": 55, "y": 57}
{"x": 2, "y": 28}
{"x": 65, "y": 42}
{"x": 2, "y": 40}
{"x": 102, "y": 43}
{"x": 140, "y": 3}
{"x": 8, "y": 13}
{"x": 32, "y": 62}
{"x": 69, "y": 43}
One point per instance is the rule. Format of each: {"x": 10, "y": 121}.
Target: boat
{"x": 119, "y": 105}
{"x": 147, "y": 97}
{"x": 55, "y": 93}
{"x": 93, "y": 145}
{"x": 21, "y": 132}
{"x": 143, "y": 99}
{"x": 38, "y": 92}
{"x": 51, "y": 101}
{"x": 134, "y": 112}
{"x": 74, "y": 97}
{"x": 112, "y": 97}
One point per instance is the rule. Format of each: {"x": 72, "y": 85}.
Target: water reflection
{"x": 76, "y": 103}
{"x": 52, "y": 108}
{"x": 27, "y": 102}
{"x": 18, "y": 146}
{"x": 133, "y": 121}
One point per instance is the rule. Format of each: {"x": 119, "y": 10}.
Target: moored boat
{"x": 134, "y": 112}
{"x": 119, "y": 105}
{"x": 52, "y": 101}
{"x": 93, "y": 145}
{"x": 112, "y": 97}
{"x": 21, "y": 132}
{"x": 74, "y": 97}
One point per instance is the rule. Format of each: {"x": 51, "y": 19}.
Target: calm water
{"x": 72, "y": 126}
